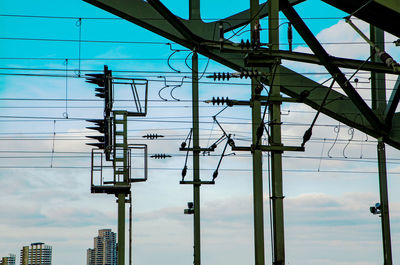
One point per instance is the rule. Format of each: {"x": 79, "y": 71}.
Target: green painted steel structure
{"x": 380, "y": 121}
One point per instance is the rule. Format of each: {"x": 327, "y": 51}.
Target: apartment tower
{"x": 36, "y": 254}
{"x": 105, "y": 249}
{"x": 10, "y": 260}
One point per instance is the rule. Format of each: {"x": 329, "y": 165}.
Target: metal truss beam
{"x": 173, "y": 20}
{"x": 265, "y": 54}
{"x": 393, "y": 103}
{"x": 339, "y": 77}
{"x": 338, "y": 106}
{"x": 242, "y": 18}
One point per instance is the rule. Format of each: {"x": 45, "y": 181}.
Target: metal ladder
{"x": 121, "y": 152}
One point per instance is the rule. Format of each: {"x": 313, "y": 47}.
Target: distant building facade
{"x": 90, "y": 260}
{"x": 10, "y": 260}
{"x": 36, "y": 254}
{"x": 105, "y": 249}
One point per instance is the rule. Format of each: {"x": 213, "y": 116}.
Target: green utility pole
{"x": 258, "y": 201}
{"x": 194, "y": 14}
{"x": 121, "y": 229}
{"x": 275, "y": 140}
{"x": 378, "y": 90}
{"x": 196, "y": 158}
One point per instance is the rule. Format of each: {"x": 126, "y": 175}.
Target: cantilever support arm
{"x": 340, "y": 78}
{"x": 393, "y": 103}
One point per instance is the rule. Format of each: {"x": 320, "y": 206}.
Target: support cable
{"x": 215, "y": 174}
{"x": 65, "y": 114}
{"x": 54, "y": 139}
{"x": 307, "y": 135}
{"x": 271, "y": 227}
{"x": 183, "y": 145}
{"x": 251, "y": 20}
{"x": 351, "y": 133}
{"x": 164, "y": 87}
{"x": 322, "y": 153}
{"x": 79, "y": 25}
{"x": 336, "y": 129}
{"x": 169, "y": 58}
{"x": 261, "y": 127}
{"x": 176, "y": 86}
{"x": 361, "y": 7}
{"x": 205, "y": 68}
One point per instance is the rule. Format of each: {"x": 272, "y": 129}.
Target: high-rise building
{"x": 105, "y": 249}
{"x": 10, "y": 260}
{"x": 90, "y": 260}
{"x": 36, "y": 254}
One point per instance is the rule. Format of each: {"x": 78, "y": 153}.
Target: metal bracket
{"x": 269, "y": 148}
{"x": 196, "y": 149}
{"x": 196, "y": 182}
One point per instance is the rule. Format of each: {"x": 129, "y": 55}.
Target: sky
{"x": 45, "y": 164}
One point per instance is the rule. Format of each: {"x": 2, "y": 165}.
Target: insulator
{"x": 290, "y": 36}
{"x": 249, "y": 73}
{"x": 221, "y": 101}
{"x": 223, "y": 76}
{"x": 183, "y": 145}
{"x": 253, "y": 44}
{"x": 215, "y": 174}
{"x": 307, "y": 136}
{"x": 260, "y": 131}
{"x": 152, "y": 136}
{"x": 386, "y": 58}
{"x": 231, "y": 142}
{"x": 160, "y": 156}
{"x": 184, "y": 171}
{"x": 259, "y": 88}
{"x": 221, "y": 31}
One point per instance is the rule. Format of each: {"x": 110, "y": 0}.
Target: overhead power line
{"x": 117, "y": 18}
{"x": 160, "y": 43}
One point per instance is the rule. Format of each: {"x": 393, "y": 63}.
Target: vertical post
{"x": 120, "y": 117}
{"x": 130, "y": 229}
{"x": 121, "y": 228}
{"x": 258, "y": 200}
{"x": 378, "y": 90}
{"x": 378, "y": 86}
{"x": 194, "y": 9}
{"x": 276, "y": 157}
{"x": 384, "y": 201}
{"x": 196, "y": 158}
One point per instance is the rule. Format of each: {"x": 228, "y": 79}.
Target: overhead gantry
{"x": 380, "y": 120}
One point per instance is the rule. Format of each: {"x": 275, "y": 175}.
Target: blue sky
{"x": 326, "y": 207}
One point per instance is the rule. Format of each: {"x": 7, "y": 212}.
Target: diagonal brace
{"x": 340, "y": 78}
{"x": 393, "y": 103}
{"x": 173, "y": 20}
{"x": 243, "y": 18}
